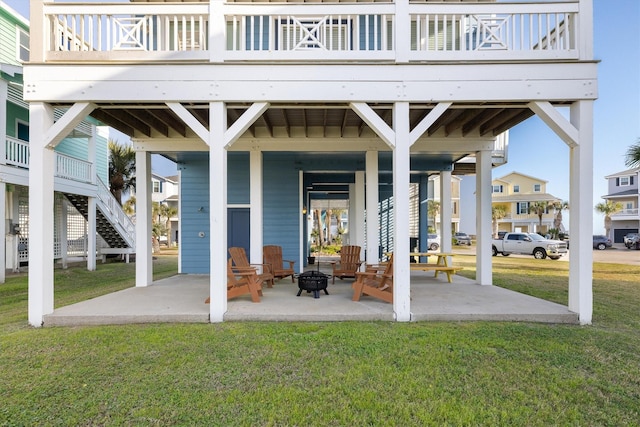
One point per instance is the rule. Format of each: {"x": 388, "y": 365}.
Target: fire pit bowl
{"x": 313, "y": 281}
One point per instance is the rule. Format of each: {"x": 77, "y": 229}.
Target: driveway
{"x": 618, "y": 254}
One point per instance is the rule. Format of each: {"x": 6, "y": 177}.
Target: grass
{"x": 329, "y": 374}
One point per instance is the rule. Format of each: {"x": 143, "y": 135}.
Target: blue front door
{"x": 238, "y": 228}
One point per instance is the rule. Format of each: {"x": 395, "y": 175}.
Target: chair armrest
{"x": 290, "y": 262}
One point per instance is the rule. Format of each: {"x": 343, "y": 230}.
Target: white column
{"x": 40, "y": 214}
{"x": 372, "y": 199}
{"x": 445, "y": 211}
{"x": 483, "y": 218}
{"x": 216, "y": 34}
{"x": 3, "y": 188}
{"x": 581, "y": 219}
{"x": 144, "y": 266}
{"x": 92, "y": 229}
{"x": 3, "y": 229}
{"x": 255, "y": 215}
{"x": 357, "y": 225}
{"x": 402, "y": 35}
{"x": 180, "y": 210}
{"x": 63, "y": 231}
{"x": 401, "y": 172}
{"x": 218, "y": 215}
{"x": 4, "y": 96}
{"x": 91, "y": 153}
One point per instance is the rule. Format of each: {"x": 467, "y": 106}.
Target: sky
{"x": 533, "y": 148}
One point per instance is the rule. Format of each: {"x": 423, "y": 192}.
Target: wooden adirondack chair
{"x": 349, "y": 262}
{"x": 272, "y": 255}
{"x": 374, "y": 283}
{"x": 241, "y": 282}
{"x": 240, "y": 262}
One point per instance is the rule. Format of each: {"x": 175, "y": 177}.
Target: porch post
{"x": 4, "y": 91}
{"x": 218, "y": 211}
{"x": 445, "y": 211}
{"x": 423, "y": 215}
{"x": 3, "y": 230}
{"x": 372, "y": 197}
{"x": 483, "y": 218}
{"x": 357, "y": 228}
{"x": 40, "y": 214}
{"x": 401, "y": 169}
{"x": 144, "y": 267}
{"x": 255, "y": 212}
{"x": 92, "y": 229}
{"x": 581, "y": 219}
{"x": 64, "y": 239}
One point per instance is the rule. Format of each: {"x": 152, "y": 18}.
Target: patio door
{"x": 238, "y": 228}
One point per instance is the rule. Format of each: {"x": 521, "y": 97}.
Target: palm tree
{"x": 632, "y": 159}
{"x": 433, "y": 209}
{"x": 129, "y": 207}
{"x": 122, "y": 169}
{"x": 540, "y": 208}
{"x": 497, "y": 213}
{"x": 559, "y": 206}
{"x": 608, "y": 208}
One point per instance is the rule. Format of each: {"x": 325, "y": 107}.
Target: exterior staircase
{"x": 112, "y": 224}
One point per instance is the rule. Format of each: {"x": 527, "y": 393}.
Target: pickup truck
{"x": 529, "y": 244}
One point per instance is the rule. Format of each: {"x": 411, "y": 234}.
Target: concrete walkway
{"x": 181, "y": 299}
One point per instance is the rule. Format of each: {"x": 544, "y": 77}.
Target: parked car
{"x": 462, "y": 239}
{"x": 601, "y": 242}
{"x": 433, "y": 240}
{"x": 632, "y": 240}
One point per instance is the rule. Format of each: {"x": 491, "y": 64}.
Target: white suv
{"x": 433, "y": 240}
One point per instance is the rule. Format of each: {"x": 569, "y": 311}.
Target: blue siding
{"x": 282, "y": 214}
{"x": 74, "y": 147}
{"x": 194, "y": 190}
{"x": 238, "y": 183}
{"x": 102, "y": 158}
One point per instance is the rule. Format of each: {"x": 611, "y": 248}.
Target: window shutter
{"x": 631, "y": 180}
{"x": 617, "y": 182}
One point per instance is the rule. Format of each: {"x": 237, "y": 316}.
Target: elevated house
{"x": 267, "y": 106}
{"x": 80, "y": 168}
{"x": 623, "y": 188}
{"x": 518, "y": 193}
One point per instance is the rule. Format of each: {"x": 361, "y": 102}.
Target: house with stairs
{"x": 86, "y": 217}
{"x": 267, "y": 107}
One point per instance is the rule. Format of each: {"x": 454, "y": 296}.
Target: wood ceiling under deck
{"x": 158, "y": 121}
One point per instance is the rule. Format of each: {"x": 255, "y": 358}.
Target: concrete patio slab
{"x": 181, "y": 299}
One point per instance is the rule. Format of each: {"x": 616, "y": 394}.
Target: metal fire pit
{"x": 313, "y": 281}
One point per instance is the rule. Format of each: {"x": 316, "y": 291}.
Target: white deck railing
{"x": 325, "y": 31}
{"x": 16, "y": 152}
{"x": 75, "y": 169}
{"x": 625, "y": 212}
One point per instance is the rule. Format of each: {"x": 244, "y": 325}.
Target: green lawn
{"x": 327, "y": 374}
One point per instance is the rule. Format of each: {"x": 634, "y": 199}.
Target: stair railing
{"x": 112, "y": 209}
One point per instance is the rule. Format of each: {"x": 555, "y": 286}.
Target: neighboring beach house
{"x": 518, "y": 192}
{"x": 80, "y": 165}
{"x": 165, "y": 190}
{"x": 623, "y": 188}
{"x": 267, "y": 107}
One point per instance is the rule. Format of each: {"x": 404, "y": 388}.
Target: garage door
{"x": 618, "y": 234}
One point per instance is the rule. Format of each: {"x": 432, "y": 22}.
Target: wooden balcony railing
{"x": 303, "y": 32}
